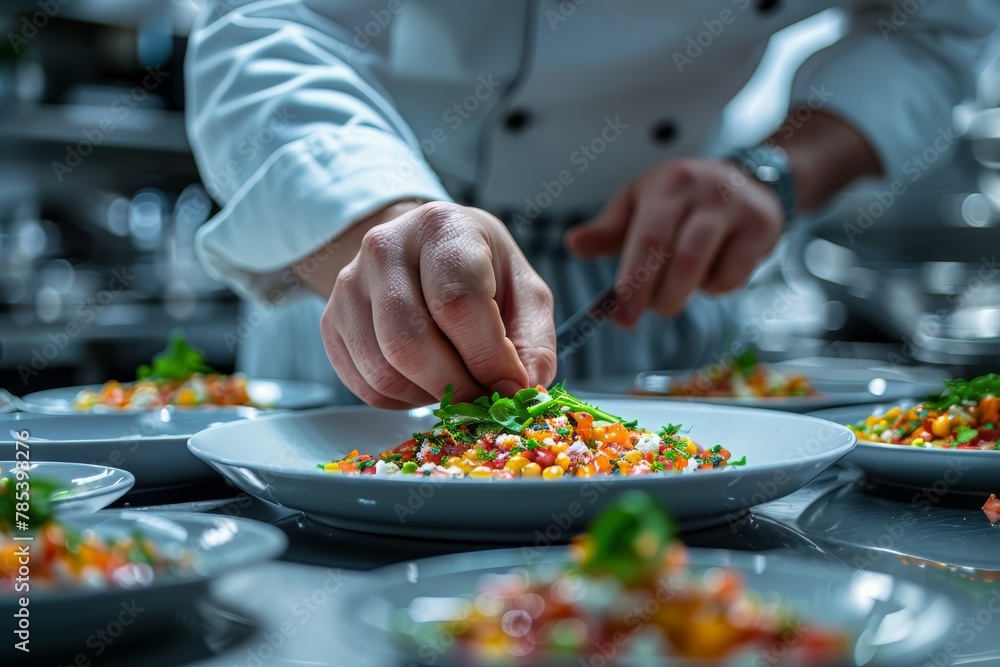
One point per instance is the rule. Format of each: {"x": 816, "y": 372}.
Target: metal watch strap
{"x": 770, "y": 166}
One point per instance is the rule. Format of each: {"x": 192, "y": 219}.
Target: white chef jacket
{"x": 306, "y": 115}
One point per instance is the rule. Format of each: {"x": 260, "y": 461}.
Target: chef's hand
{"x": 438, "y": 295}
{"x": 680, "y": 227}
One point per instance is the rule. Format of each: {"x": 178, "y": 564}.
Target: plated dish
{"x": 627, "y": 592}
{"x": 799, "y": 385}
{"x": 178, "y": 378}
{"x": 152, "y": 445}
{"x": 197, "y": 547}
{"x": 946, "y": 444}
{"x": 546, "y": 433}
{"x": 67, "y": 487}
{"x": 966, "y": 415}
{"x": 276, "y": 458}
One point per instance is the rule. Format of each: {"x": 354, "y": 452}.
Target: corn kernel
{"x": 553, "y": 472}
{"x": 186, "y": 397}
{"x": 917, "y": 442}
{"x": 516, "y": 463}
{"x": 562, "y": 460}
{"x": 332, "y": 466}
{"x": 892, "y": 414}
{"x": 531, "y": 470}
{"x": 470, "y": 455}
{"x": 559, "y": 447}
{"x": 941, "y": 426}
{"x": 481, "y": 472}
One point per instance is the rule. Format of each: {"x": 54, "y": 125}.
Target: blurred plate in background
{"x": 838, "y": 381}
{"x": 150, "y": 445}
{"x": 81, "y": 487}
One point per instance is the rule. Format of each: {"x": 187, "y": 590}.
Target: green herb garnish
{"x": 964, "y": 434}
{"x": 495, "y": 414}
{"x": 629, "y": 539}
{"x": 960, "y": 392}
{"x": 178, "y": 362}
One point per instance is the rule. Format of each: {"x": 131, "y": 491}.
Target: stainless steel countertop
{"x": 289, "y": 612}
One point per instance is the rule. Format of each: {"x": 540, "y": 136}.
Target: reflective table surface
{"x": 288, "y": 612}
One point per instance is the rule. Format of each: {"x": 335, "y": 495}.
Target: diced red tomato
{"x": 992, "y": 509}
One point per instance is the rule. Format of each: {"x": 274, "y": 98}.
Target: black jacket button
{"x": 516, "y": 120}
{"x": 664, "y": 132}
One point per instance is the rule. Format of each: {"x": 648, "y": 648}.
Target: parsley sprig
{"x": 960, "y": 391}
{"x": 494, "y": 414}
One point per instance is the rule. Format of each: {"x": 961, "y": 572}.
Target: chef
{"x": 416, "y": 190}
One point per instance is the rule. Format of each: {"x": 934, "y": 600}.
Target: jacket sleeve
{"x": 293, "y": 133}
{"x": 897, "y": 75}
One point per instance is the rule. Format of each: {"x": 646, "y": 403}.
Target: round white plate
{"x": 150, "y": 445}
{"x": 942, "y": 471}
{"x": 839, "y": 381}
{"x": 68, "y": 620}
{"x": 281, "y": 394}
{"x": 888, "y": 621}
{"x": 82, "y": 487}
{"x": 276, "y": 457}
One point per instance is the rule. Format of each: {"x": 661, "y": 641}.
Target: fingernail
{"x": 506, "y": 388}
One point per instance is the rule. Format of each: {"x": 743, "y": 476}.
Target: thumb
{"x": 605, "y": 234}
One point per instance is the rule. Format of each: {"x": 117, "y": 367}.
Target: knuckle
{"x": 679, "y": 176}
{"x": 379, "y": 243}
{"x": 437, "y": 216}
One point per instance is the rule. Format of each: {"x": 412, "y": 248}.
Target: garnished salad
{"x": 628, "y": 584}
{"x": 62, "y": 557}
{"x": 546, "y": 433}
{"x": 177, "y": 376}
{"x": 966, "y": 415}
{"x": 746, "y": 377}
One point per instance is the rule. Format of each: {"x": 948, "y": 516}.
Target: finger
{"x": 605, "y": 234}
{"x": 343, "y": 364}
{"x": 736, "y": 262}
{"x": 530, "y": 322}
{"x": 407, "y": 336}
{"x": 646, "y": 253}
{"x": 699, "y": 240}
{"x": 459, "y": 287}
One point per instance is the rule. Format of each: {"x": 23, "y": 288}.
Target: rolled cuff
{"x": 305, "y": 195}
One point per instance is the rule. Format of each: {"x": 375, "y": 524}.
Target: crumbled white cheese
{"x": 385, "y": 469}
{"x": 508, "y": 441}
{"x": 427, "y": 467}
{"x": 578, "y": 448}
{"x": 649, "y": 442}
{"x": 549, "y": 442}
{"x": 559, "y": 422}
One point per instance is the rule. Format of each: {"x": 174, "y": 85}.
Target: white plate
{"x": 82, "y": 487}
{"x": 150, "y": 445}
{"x": 839, "y": 381}
{"x": 942, "y": 471}
{"x": 888, "y": 621}
{"x": 281, "y": 394}
{"x": 275, "y": 458}
{"x": 68, "y": 620}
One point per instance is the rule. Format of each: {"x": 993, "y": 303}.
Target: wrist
{"x": 770, "y": 166}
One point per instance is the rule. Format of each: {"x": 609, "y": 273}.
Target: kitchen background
{"x": 100, "y": 200}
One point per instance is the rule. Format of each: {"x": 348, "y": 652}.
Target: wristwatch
{"x": 770, "y": 166}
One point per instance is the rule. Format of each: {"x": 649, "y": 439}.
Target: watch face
{"x": 768, "y": 174}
